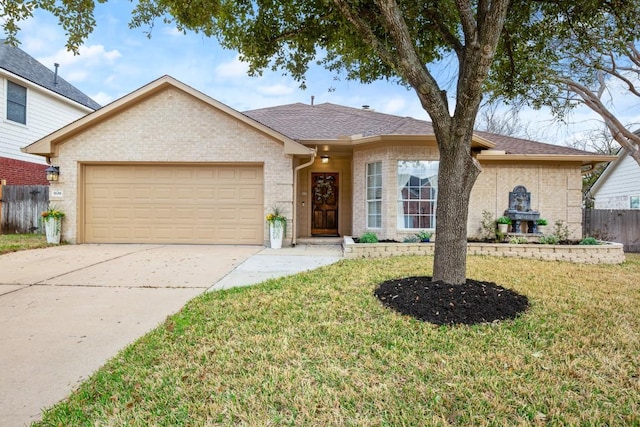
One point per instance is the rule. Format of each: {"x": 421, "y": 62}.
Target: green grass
{"x": 21, "y": 242}
{"x": 317, "y": 349}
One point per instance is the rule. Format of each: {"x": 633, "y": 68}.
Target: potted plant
{"x": 541, "y": 223}
{"x": 277, "y": 227}
{"x": 52, "y": 220}
{"x": 503, "y": 224}
{"x": 424, "y": 235}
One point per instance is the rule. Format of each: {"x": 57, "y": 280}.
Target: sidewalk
{"x": 272, "y": 263}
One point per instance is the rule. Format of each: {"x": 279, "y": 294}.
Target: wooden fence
{"x": 622, "y": 226}
{"x": 21, "y": 206}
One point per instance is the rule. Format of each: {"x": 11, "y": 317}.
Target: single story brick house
{"x": 168, "y": 164}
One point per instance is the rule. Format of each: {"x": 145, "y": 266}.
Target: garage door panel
{"x": 228, "y": 174}
{"x": 249, "y": 214}
{"x": 250, "y": 193}
{"x": 249, "y": 174}
{"x": 227, "y": 194}
{"x": 174, "y": 204}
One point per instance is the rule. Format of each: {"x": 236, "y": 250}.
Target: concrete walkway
{"x": 272, "y": 263}
{"x": 64, "y": 311}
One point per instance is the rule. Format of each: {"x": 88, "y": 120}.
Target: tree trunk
{"x": 457, "y": 174}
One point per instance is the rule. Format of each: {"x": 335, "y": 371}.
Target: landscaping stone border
{"x": 607, "y": 253}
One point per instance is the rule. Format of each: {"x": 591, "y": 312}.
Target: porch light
{"x": 325, "y": 159}
{"x": 53, "y": 172}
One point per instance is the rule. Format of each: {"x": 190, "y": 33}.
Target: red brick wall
{"x": 18, "y": 172}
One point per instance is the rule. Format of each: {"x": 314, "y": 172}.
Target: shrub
{"x": 589, "y": 241}
{"x": 518, "y": 240}
{"x": 541, "y": 221}
{"x": 504, "y": 220}
{"x": 550, "y": 239}
{"x": 424, "y": 235}
{"x": 488, "y": 225}
{"x": 411, "y": 239}
{"x": 561, "y": 231}
{"x": 369, "y": 238}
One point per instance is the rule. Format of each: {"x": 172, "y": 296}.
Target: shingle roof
{"x": 17, "y": 62}
{"x": 330, "y": 121}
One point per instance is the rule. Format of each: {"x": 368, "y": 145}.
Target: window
{"x": 16, "y": 103}
{"x": 634, "y": 202}
{"x": 417, "y": 194}
{"x": 374, "y": 195}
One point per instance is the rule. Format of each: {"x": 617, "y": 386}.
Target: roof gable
{"x": 19, "y": 63}
{"x": 45, "y": 146}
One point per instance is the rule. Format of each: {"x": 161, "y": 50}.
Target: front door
{"x": 325, "y": 204}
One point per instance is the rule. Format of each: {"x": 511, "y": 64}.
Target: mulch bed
{"x": 443, "y": 304}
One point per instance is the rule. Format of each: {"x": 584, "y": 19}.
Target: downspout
{"x": 295, "y": 194}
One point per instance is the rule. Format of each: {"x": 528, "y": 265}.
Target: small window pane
{"x": 16, "y": 103}
{"x": 374, "y": 195}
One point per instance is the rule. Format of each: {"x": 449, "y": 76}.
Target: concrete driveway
{"x": 64, "y": 311}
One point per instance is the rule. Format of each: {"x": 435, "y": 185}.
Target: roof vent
{"x": 366, "y": 107}
{"x": 55, "y": 76}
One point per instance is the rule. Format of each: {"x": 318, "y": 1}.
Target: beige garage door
{"x": 220, "y": 204}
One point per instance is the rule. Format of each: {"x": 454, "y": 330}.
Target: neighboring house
{"x": 34, "y": 101}
{"x": 618, "y": 187}
{"x": 168, "y": 164}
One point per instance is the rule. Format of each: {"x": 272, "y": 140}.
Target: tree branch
{"x": 468, "y": 23}
{"x": 412, "y": 67}
{"x": 624, "y": 137}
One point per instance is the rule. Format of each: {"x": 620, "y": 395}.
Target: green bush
{"x": 504, "y": 220}
{"x": 541, "y": 221}
{"x": 411, "y": 239}
{"x": 516, "y": 240}
{"x": 550, "y": 239}
{"x": 369, "y": 238}
{"x": 424, "y": 235}
{"x": 589, "y": 241}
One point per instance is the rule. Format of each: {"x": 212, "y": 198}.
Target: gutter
{"x": 314, "y": 153}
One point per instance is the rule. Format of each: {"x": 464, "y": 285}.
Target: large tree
{"x": 399, "y": 40}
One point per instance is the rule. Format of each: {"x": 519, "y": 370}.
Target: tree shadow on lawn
{"x": 443, "y": 304}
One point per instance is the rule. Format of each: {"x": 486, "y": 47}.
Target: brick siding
{"x": 19, "y": 172}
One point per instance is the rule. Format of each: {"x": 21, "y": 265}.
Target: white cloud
{"x": 102, "y": 98}
{"x": 394, "y": 105}
{"x": 172, "y": 31}
{"x": 232, "y": 69}
{"x": 79, "y": 68}
{"x": 276, "y": 90}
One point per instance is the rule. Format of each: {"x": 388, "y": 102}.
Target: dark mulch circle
{"x": 444, "y": 304}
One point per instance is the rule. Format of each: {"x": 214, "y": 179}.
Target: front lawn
{"x": 318, "y": 349}
{"x": 20, "y": 242}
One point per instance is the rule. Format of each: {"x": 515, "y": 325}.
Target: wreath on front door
{"x": 323, "y": 189}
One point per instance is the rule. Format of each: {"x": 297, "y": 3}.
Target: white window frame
{"x": 374, "y": 195}
{"x": 417, "y": 170}
{"x": 8, "y": 101}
